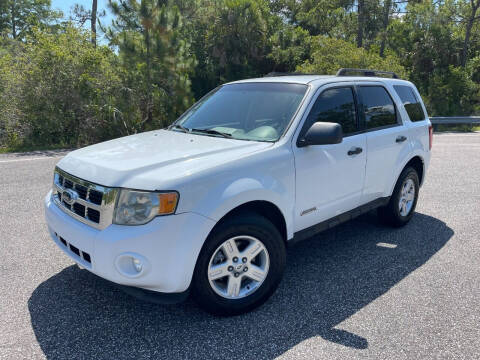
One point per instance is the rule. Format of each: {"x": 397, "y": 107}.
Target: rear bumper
{"x": 167, "y": 247}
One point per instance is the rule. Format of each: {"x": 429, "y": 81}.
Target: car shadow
{"x": 328, "y": 278}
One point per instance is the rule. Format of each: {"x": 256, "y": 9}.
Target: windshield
{"x": 247, "y": 111}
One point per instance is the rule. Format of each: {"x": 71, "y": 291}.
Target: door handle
{"x": 400, "y": 139}
{"x": 355, "y": 151}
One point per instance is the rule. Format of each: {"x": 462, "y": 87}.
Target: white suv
{"x": 209, "y": 205}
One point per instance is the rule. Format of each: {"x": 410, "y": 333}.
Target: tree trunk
{"x": 149, "y": 80}
{"x": 468, "y": 31}
{"x": 14, "y": 23}
{"x": 361, "y": 15}
{"x": 386, "y": 18}
{"x": 93, "y": 22}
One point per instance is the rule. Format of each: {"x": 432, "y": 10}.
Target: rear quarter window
{"x": 410, "y": 102}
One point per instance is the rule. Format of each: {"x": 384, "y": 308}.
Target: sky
{"x": 66, "y": 6}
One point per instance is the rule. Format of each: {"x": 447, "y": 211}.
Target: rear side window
{"x": 411, "y": 102}
{"x": 335, "y": 105}
{"x": 378, "y": 107}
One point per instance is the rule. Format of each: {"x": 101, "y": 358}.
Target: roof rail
{"x": 366, "y": 72}
{"x": 275, "y": 73}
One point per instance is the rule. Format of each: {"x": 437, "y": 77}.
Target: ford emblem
{"x": 69, "y": 196}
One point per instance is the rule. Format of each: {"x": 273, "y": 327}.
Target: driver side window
{"x": 336, "y": 105}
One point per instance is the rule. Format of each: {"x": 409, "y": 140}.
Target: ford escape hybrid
{"x": 208, "y": 205}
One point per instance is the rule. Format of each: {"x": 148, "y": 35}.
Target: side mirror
{"x": 322, "y": 133}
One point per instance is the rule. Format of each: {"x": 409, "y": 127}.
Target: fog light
{"x": 132, "y": 265}
{"x": 137, "y": 264}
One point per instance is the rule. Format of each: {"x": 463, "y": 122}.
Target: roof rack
{"x": 275, "y": 73}
{"x": 365, "y": 72}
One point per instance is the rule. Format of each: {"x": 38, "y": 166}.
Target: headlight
{"x": 139, "y": 207}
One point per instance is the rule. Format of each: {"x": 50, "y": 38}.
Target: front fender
{"x": 264, "y": 176}
{"x": 222, "y": 199}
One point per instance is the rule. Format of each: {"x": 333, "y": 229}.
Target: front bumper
{"x": 167, "y": 246}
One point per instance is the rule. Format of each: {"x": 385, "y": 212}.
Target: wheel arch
{"x": 418, "y": 163}
{"x": 263, "y": 208}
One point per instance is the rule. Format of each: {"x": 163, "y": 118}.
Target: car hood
{"x": 151, "y": 159}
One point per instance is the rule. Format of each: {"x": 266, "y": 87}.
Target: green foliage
{"x": 237, "y": 38}
{"x": 154, "y": 61}
{"x": 318, "y": 17}
{"x": 18, "y": 17}
{"x": 57, "y": 89}
{"x": 473, "y": 69}
{"x": 428, "y": 42}
{"x": 291, "y": 46}
{"x": 11, "y": 125}
{"x": 328, "y": 55}
{"x": 425, "y": 39}
{"x": 61, "y": 90}
{"x": 231, "y": 42}
{"x": 452, "y": 92}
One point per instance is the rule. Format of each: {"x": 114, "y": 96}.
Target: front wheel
{"x": 403, "y": 201}
{"x": 240, "y": 265}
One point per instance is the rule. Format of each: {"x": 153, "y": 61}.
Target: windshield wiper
{"x": 204, "y": 131}
{"x": 180, "y": 127}
{"x": 213, "y": 132}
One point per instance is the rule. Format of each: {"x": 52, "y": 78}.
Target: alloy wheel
{"x": 238, "y": 267}
{"x": 407, "y": 197}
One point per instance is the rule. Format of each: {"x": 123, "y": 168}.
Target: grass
{"x": 28, "y": 148}
{"x": 459, "y": 128}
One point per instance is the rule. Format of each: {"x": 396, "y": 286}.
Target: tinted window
{"x": 246, "y": 111}
{"x": 334, "y": 105}
{"x": 378, "y": 107}
{"x": 411, "y": 103}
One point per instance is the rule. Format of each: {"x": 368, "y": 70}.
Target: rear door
{"x": 329, "y": 178}
{"x": 387, "y": 138}
{"x": 415, "y": 111}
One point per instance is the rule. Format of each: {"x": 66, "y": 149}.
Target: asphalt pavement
{"x": 361, "y": 290}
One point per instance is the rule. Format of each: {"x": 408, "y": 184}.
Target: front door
{"x": 330, "y": 178}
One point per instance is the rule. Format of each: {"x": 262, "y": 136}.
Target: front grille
{"x": 89, "y": 203}
{"x": 93, "y": 215}
{"x": 81, "y": 254}
{"x": 67, "y": 205}
{"x": 95, "y": 197}
{"x": 67, "y": 184}
{"x": 82, "y": 191}
{"x": 79, "y": 209}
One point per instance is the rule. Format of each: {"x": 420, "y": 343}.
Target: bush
{"x": 58, "y": 90}
{"x": 12, "y": 128}
{"x": 452, "y": 93}
{"x": 329, "y": 55}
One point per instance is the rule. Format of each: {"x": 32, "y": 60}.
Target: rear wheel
{"x": 240, "y": 265}
{"x": 403, "y": 201}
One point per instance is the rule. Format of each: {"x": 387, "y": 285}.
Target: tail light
{"x": 430, "y": 136}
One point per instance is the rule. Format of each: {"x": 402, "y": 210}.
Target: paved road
{"x": 345, "y": 294}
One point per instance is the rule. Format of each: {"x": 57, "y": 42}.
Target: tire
{"x": 393, "y": 214}
{"x": 245, "y": 230}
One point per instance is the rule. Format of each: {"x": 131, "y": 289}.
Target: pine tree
{"x": 17, "y": 17}
{"x": 147, "y": 34}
